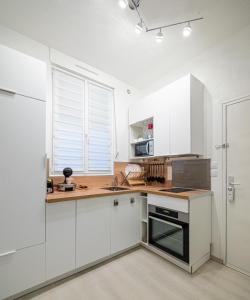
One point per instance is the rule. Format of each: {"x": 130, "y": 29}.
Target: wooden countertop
{"x": 92, "y": 192}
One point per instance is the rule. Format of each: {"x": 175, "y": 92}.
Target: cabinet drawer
{"x": 22, "y": 270}
{"x": 22, "y": 74}
{"x": 169, "y": 202}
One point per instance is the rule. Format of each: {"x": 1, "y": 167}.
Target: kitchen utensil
{"x": 159, "y": 173}
{"x": 163, "y": 173}
{"x": 132, "y": 169}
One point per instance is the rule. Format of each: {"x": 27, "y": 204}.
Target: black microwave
{"x": 145, "y": 148}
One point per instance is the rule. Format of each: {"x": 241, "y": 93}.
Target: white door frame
{"x": 224, "y": 174}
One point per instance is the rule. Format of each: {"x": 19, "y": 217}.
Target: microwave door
{"x": 141, "y": 149}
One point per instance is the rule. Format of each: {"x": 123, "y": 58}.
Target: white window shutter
{"x": 100, "y": 126}
{"x": 68, "y": 122}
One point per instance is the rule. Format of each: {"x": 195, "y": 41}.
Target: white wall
{"x": 28, "y": 46}
{"x": 225, "y": 72}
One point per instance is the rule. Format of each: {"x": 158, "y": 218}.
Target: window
{"x": 82, "y": 125}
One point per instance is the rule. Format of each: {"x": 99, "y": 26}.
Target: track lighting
{"x": 139, "y": 28}
{"x": 187, "y": 30}
{"x": 134, "y": 5}
{"x": 159, "y": 37}
{"x": 123, "y": 3}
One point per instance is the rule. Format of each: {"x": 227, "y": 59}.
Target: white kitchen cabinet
{"x": 161, "y": 123}
{"x": 22, "y": 270}
{"x": 93, "y": 230}
{"x": 141, "y": 110}
{"x": 60, "y": 238}
{"x": 22, "y": 74}
{"x": 23, "y": 176}
{"x": 186, "y": 116}
{"x": 177, "y": 111}
{"x": 124, "y": 222}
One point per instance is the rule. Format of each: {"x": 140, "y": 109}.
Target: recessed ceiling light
{"x": 187, "y": 30}
{"x": 139, "y": 28}
{"x": 123, "y": 3}
{"x": 159, "y": 37}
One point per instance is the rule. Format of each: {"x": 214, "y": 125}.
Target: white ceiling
{"x": 101, "y": 34}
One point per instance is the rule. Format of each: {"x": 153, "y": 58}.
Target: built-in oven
{"x": 145, "y": 148}
{"x": 169, "y": 231}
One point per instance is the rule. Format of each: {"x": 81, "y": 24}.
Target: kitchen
{"x": 146, "y": 171}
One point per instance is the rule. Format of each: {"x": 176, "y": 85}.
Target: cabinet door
{"x": 180, "y": 123}
{"x": 60, "y": 238}
{"x": 23, "y": 176}
{"x": 141, "y": 110}
{"x": 22, "y": 270}
{"x": 162, "y": 101}
{"x": 22, "y": 74}
{"x": 124, "y": 223}
{"x": 92, "y": 230}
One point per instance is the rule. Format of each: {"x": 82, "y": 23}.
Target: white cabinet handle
{"x": 7, "y": 253}
{"x": 7, "y": 91}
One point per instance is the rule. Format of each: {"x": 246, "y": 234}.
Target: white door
{"x": 22, "y": 172}
{"x": 124, "y": 223}
{"x": 238, "y": 186}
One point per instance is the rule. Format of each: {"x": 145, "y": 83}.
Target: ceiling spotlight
{"x": 187, "y": 30}
{"x": 159, "y": 37}
{"x": 123, "y": 3}
{"x": 139, "y": 28}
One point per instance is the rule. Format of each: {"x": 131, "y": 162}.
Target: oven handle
{"x": 166, "y": 222}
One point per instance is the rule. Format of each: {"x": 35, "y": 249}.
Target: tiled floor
{"x": 144, "y": 275}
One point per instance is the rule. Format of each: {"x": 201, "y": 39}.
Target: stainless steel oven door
{"x": 171, "y": 236}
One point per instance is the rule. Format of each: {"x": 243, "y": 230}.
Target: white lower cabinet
{"x": 22, "y": 270}
{"x": 93, "y": 230}
{"x": 124, "y": 222}
{"x": 82, "y": 232}
{"x": 60, "y": 238}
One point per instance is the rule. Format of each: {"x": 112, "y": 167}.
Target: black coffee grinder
{"x": 67, "y": 185}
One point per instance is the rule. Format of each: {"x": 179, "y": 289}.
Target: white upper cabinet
{"x": 186, "y": 116}
{"x": 141, "y": 110}
{"x": 22, "y": 74}
{"x": 161, "y": 123}
{"x": 177, "y": 112}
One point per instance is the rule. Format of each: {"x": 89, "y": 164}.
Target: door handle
{"x": 233, "y": 183}
{"x": 7, "y": 91}
{"x": 7, "y": 253}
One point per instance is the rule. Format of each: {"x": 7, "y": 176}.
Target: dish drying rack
{"x": 134, "y": 178}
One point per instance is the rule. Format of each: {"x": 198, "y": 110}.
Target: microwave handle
{"x": 147, "y": 148}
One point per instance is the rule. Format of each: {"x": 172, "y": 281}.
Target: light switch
{"x": 214, "y": 165}
{"x": 214, "y": 173}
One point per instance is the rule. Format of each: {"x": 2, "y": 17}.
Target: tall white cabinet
{"x": 23, "y": 180}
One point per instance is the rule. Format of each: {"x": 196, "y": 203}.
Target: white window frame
{"x": 86, "y": 82}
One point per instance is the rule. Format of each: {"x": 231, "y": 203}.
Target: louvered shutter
{"x": 100, "y": 124}
{"x": 68, "y": 122}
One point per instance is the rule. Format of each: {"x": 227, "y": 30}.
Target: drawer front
{"x": 21, "y": 270}
{"x": 169, "y": 202}
{"x": 22, "y": 74}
